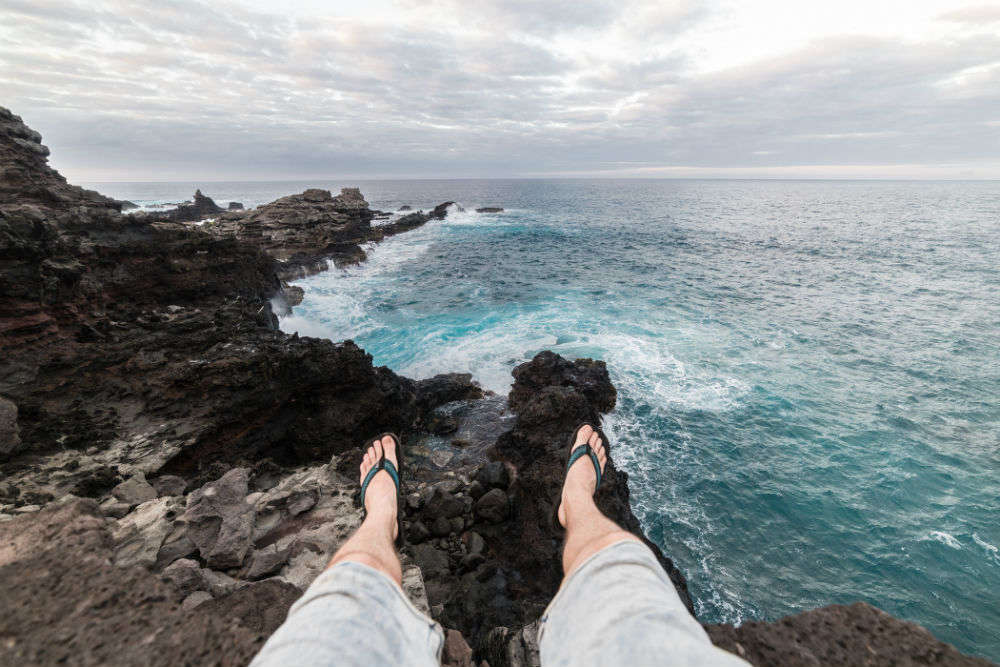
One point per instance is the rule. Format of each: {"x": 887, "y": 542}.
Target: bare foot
{"x": 380, "y": 496}
{"x": 581, "y": 480}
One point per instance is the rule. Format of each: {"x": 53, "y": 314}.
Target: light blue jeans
{"x": 617, "y": 608}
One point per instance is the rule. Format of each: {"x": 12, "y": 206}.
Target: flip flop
{"x": 575, "y": 455}
{"x": 395, "y": 472}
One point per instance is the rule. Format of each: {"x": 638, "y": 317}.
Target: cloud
{"x": 192, "y": 89}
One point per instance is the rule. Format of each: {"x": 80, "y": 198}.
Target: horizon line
{"x": 548, "y": 178}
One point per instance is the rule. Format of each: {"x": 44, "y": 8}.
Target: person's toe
{"x": 377, "y": 450}
{"x": 583, "y": 435}
{"x": 389, "y": 447}
{"x": 597, "y": 444}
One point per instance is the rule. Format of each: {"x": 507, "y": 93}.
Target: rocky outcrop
{"x": 839, "y": 636}
{"x": 200, "y": 208}
{"x": 306, "y": 230}
{"x": 302, "y": 231}
{"x": 64, "y": 602}
{"x": 235, "y": 206}
{"x": 490, "y": 209}
{"x": 26, "y": 180}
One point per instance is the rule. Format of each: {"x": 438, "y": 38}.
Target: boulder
{"x": 134, "y": 490}
{"x": 456, "y": 651}
{"x": 220, "y": 522}
{"x": 235, "y": 206}
{"x": 493, "y": 475}
{"x": 140, "y": 534}
{"x": 493, "y": 506}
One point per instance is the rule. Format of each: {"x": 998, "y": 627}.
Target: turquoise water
{"x": 808, "y": 372}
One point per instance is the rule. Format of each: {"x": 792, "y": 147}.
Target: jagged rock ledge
{"x": 175, "y": 469}
{"x": 302, "y": 231}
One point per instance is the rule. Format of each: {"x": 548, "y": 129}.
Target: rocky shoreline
{"x": 175, "y": 470}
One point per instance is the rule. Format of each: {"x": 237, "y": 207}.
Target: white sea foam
{"x": 991, "y": 549}
{"x": 944, "y": 538}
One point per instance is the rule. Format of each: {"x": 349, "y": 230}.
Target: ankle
{"x": 579, "y": 506}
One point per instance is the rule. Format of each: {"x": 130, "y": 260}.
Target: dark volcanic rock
{"x": 235, "y": 206}
{"x": 514, "y": 584}
{"x": 126, "y": 205}
{"x": 303, "y": 230}
{"x": 490, "y": 209}
{"x": 446, "y": 388}
{"x": 201, "y": 207}
{"x": 838, "y": 636}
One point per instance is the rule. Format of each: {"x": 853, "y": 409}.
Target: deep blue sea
{"x": 808, "y": 371}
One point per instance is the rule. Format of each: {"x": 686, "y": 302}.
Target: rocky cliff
{"x": 174, "y": 470}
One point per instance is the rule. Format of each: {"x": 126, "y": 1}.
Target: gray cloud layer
{"x": 188, "y": 89}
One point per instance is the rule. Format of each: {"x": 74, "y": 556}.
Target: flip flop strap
{"x": 383, "y": 464}
{"x": 580, "y": 452}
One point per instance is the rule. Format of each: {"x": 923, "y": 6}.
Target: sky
{"x": 129, "y": 90}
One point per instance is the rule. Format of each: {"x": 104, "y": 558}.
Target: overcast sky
{"x": 188, "y": 90}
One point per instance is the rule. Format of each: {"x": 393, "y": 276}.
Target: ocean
{"x": 808, "y": 371}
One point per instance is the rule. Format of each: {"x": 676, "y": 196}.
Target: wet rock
{"x": 405, "y": 207}
{"x": 302, "y": 230}
{"x": 548, "y": 370}
{"x": 201, "y": 207}
{"x": 441, "y": 424}
{"x": 134, "y": 490}
{"x": 456, "y": 652}
{"x": 294, "y": 295}
{"x": 490, "y": 209}
{"x": 220, "y": 522}
{"x": 493, "y": 506}
{"x": 476, "y": 489}
{"x": 493, "y": 475}
{"x": 446, "y": 388}
{"x": 442, "y": 504}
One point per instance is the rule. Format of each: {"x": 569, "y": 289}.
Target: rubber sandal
{"x": 395, "y": 472}
{"x": 575, "y": 455}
